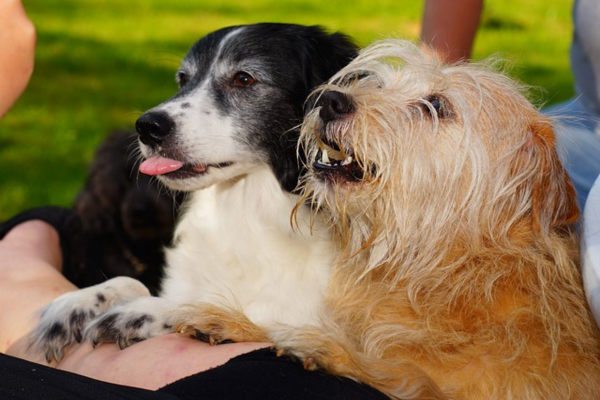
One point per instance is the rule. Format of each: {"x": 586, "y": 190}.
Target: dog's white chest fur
{"x": 254, "y": 259}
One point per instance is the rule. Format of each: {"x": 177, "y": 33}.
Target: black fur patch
{"x": 76, "y": 321}
{"x": 138, "y": 322}
{"x": 107, "y": 329}
{"x": 57, "y": 330}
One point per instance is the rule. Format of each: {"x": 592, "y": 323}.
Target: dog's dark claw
{"x": 211, "y": 339}
{"x": 203, "y": 337}
{"x": 77, "y": 335}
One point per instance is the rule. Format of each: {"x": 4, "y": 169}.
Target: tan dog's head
{"x": 406, "y": 151}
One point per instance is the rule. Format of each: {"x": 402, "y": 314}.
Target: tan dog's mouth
{"x": 336, "y": 164}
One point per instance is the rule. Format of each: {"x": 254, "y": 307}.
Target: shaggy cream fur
{"x": 458, "y": 276}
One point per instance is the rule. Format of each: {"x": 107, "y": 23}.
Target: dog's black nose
{"x": 334, "y": 105}
{"x": 154, "y": 127}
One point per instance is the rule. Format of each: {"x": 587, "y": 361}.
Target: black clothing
{"x": 259, "y": 374}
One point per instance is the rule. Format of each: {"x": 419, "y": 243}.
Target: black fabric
{"x": 262, "y": 375}
{"x": 68, "y": 225}
{"x": 23, "y": 380}
{"x": 257, "y": 375}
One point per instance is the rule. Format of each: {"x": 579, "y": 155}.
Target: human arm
{"x": 17, "y": 36}
{"x": 449, "y": 27}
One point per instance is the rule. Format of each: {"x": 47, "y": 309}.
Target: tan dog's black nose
{"x": 334, "y": 105}
{"x": 154, "y": 127}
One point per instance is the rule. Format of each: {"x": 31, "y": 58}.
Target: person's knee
{"x": 34, "y": 241}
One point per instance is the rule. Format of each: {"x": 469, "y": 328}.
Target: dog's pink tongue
{"x": 158, "y": 165}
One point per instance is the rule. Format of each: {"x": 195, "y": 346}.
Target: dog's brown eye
{"x": 242, "y": 80}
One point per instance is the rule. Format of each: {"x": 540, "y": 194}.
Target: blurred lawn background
{"x": 101, "y": 63}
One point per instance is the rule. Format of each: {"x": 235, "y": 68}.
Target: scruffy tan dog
{"x": 458, "y": 276}
{"x": 458, "y": 270}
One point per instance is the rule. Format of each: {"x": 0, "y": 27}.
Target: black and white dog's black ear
{"x": 309, "y": 104}
{"x": 315, "y": 57}
{"x": 329, "y": 54}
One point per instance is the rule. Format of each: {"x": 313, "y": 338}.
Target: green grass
{"x": 100, "y": 63}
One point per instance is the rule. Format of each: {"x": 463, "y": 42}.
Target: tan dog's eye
{"x": 437, "y": 104}
{"x": 243, "y": 79}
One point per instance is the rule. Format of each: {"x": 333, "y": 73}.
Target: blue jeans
{"x": 578, "y": 145}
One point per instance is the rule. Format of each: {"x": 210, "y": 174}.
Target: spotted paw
{"x": 131, "y": 322}
{"x": 63, "y": 321}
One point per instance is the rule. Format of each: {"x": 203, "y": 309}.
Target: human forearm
{"x": 449, "y": 27}
{"x": 17, "y": 38}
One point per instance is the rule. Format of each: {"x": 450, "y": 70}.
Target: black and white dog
{"x": 229, "y": 136}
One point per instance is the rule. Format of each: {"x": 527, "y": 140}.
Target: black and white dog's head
{"x": 239, "y": 105}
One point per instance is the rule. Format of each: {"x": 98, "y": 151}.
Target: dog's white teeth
{"x": 347, "y": 160}
{"x": 324, "y": 157}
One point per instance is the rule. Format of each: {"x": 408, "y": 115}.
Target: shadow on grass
{"x": 498, "y": 23}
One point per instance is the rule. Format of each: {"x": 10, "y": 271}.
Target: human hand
{"x": 17, "y": 36}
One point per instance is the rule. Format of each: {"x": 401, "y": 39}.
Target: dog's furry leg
{"x": 146, "y": 317}
{"x": 329, "y": 350}
{"x": 215, "y": 324}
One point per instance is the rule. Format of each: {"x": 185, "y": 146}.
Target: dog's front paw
{"x": 216, "y": 325}
{"x": 131, "y": 322}
{"x": 308, "y": 359}
{"x": 62, "y": 322}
